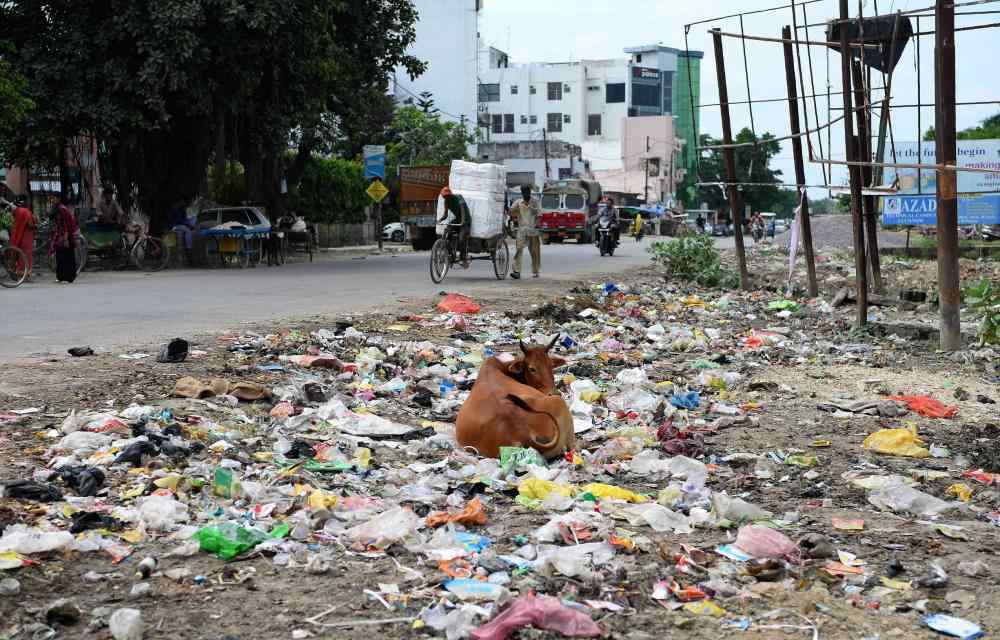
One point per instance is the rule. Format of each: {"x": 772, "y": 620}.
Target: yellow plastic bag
{"x": 961, "y": 491}
{"x": 539, "y": 489}
{"x": 897, "y": 442}
{"x": 599, "y": 490}
{"x": 704, "y": 608}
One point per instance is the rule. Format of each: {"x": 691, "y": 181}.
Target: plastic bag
{"x": 658, "y": 517}
{"x": 385, "y": 529}
{"x": 228, "y": 539}
{"x": 689, "y": 400}
{"x": 599, "y": 490}
{"x": 27, "y": 540}
{"x": 126, "y": 624}
{"x": 31, "y": 490}
{"x": 764, "y": 542}
{"x": 632, "y": 378}
{"x": 538, "y": 489}
{"x": 895, "y": 494}
{"x": 897, "y": 442}
{"x": 541, "y": 612}
{"x": 161, "y": 513}
{"x": 927, "y": 406}
{"x": 457, "y": 303}
{"x": 736, "y": 509}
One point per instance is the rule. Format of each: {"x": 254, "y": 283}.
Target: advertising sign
{"x": 374, "y": 161}
{"x": 916, "y": 202}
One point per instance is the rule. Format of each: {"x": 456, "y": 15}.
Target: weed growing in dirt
{"x": 984, "y": 299}
{"x": 693, "y": 258}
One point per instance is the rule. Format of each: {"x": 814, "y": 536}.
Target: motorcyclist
{"x": 608, "y": 211}
{"x": 700, "y": 223}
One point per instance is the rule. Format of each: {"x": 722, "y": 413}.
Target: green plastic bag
{"x": 515, "y": 458}
{"x": 228, "y": 540}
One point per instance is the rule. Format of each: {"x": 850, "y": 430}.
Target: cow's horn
{"x": 553, "y": 343}
{"x": 524, "y": 349}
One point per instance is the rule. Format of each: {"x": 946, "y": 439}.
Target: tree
{"x": 331, "y": 191}
{"x": 426, "y": 103}
{"x": 14, "y": 103}
{"x": 419, "y": 138}
{"x": 167, "y": 86}
{"x": 988, "y": 130}
{"x": 759, "y": 182}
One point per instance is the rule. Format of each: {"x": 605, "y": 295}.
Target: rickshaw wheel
{"x": 15, "y": 270}
{"x": 440, "y": 260}
{"x": 501, "y": 260}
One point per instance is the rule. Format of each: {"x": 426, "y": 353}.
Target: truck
{"x": 569, "y": 210}
{"x": 419, "y": 188}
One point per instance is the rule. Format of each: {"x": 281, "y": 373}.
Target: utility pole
{"x": 729, "y": 155}
{"x": 647, "y": 172}
{"x": 545, "y": 144}
{"x": 860, "y": 263}
{"x": 947, "y": 181}
{"x": 865, "y": 152}
{"x": 800, "y": 167}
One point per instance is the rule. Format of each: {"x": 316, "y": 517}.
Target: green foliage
{"x": 984, "y": 299}
{"x": 421, "y": 138}
{"x": 753, "y": 166}
{"x": 988, "y": 130}
{"x": 331, "y": 191}
{"x": 826, "y": 206}
{"x": 693, "y": 258}
{"x": 230, "y": 187}
{"x": 14, "y": 103}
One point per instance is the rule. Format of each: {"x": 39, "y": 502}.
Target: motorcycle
{"x": 606, "y": 237}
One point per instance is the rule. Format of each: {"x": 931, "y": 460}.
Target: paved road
{"x": 105, "y": 310}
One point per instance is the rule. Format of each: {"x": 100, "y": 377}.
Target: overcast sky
{"x": 560, "y": 30}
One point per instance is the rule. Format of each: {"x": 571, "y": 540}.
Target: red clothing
{"x": 64, "y": 229}
{"x": 23, "y": 234}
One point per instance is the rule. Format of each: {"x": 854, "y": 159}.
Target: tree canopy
{"x": 14, "y": 103}
{"x": 753, "y": 168}
{"x": 168, "y": 86}
{"x": 988, "y": 130}
{"x": 419, "y": 137}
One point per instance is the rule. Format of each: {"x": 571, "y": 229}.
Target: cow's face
{"x": 534, "y": 368}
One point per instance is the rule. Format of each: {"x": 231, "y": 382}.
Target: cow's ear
{"x": 557, "y": 361}
{"x": 516, "y": 367}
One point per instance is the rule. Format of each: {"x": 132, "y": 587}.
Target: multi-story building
{"x": 448, "y": 41}
{"x": 590, "y": 102}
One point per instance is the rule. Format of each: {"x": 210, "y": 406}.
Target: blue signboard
{"x": 922, "y": 210}
{"x": 374, "y": 162}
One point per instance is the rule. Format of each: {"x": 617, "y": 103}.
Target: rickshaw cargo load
{"x": 487, "y": 211}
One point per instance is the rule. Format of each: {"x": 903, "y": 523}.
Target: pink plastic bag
{"x": 541, "y": 612}
{"x": 457, "y": 303}
{"x": 764, "y": 542}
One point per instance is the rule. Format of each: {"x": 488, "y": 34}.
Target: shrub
{"x": 693, "y": 258}
{"x": 984, "y": 299}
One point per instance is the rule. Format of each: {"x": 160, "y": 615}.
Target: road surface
{"x": 106, "y": 310}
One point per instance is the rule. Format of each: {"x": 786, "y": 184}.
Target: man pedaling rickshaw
{"x": 456, "y": 212}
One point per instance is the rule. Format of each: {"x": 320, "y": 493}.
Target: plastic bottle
{"x": 126, "y": 624}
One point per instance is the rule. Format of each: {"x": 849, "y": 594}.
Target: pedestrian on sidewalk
{"x": 22, "y": 234}
{"x": 64, "y": 238}
{"x": 526, "y": 212}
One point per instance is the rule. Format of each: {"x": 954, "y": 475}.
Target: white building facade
{"x": 448, "y": 41}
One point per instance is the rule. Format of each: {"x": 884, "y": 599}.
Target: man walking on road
{"x": 526, "y": 213}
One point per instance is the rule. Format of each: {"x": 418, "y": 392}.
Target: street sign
{"x": 922, "y": 210}
{"x": 377, "y": 191}
{"x": 374, "y": 162}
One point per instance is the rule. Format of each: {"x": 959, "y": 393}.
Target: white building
{"x": 590, "y": 103}
{"x": 448, "y": 41}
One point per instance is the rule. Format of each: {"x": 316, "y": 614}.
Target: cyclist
{"x": 456, "y": 212}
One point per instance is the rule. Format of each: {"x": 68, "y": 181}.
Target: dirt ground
{"x": 819, "y": 359}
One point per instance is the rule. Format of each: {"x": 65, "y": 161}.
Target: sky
{"x": 560, "y": 30}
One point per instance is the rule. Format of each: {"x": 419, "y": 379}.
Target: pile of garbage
{"x": 672, "y": 503}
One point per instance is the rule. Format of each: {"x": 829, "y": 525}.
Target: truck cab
{"x": 569, "y": 208}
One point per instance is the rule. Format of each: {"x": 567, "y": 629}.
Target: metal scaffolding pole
{"x": 860, "y": 262}
{"x": 947, "y": 181}
{"x": 729, "y": 156}
{"x": 800, "y": 167}
{"x": 864, "y": 149}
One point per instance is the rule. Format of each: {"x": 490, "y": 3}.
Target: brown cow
{"x": 511, "y": 405}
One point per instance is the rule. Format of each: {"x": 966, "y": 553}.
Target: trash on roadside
{"x": 174, "y": 351}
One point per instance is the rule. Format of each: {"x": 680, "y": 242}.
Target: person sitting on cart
{"x": 456, "y": 212}
{"x": 110, "y": 215}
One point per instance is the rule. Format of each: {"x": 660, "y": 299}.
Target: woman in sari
{"x": 22, "y": 234}
{"x": 64, "y": 239}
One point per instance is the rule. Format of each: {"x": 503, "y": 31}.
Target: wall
{"x": 346, "y": 235}
{"x": 447, "y": 40}
{"x": 662, "y": 145}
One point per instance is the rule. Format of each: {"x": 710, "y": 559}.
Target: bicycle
{"x": 145, "y": 252}
{"x": 446, "y": 252}
{"x": 15, "y": 262}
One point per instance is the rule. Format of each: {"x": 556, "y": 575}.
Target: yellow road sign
{"x": 377, "y": 191}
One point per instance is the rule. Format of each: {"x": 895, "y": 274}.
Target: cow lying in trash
{"x": 515, "y": 404}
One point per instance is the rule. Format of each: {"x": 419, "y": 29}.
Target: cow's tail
{"x": 535, "y": 406}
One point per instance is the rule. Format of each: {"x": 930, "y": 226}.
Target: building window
{"x": 566, "y": 119}
{"x": 644, "y": 95}
{"x": 566, "y": 88}
{"x": 594, "y": 125}
{"x": 565, "y": 173}
{"x": 638, "y": 57}
{"x": 668, "y": 92}
{"x": 654, "y": 167}
{"x": 532, "y": 89}
{"x": 489, "y": 93}
{"x": 555, "y": 121}
{"x": 508, "y": 123}
{"x": 533, "y": 119}
{"x": 555, "y": 91}
{"x": 615, "y": 92}
{"x": 497, "y": 123}
{"x": 484, "y": 120}
{"x": 524, "y": 119}
{"x": 513, "y": 89}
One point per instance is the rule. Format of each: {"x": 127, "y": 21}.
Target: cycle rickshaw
{"x": 446, "y": 251}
